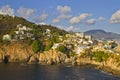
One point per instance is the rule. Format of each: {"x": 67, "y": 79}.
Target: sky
{"x": 70, "y": 15}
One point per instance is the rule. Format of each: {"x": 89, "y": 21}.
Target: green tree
{"x": 62, "y": 49}
{"x": 100, "y": 56}
{"x": 48, "y": 47}
{"x": 72, "y": 54}
{"x": 29, "y": 41}
{"x": 35, "y": 46}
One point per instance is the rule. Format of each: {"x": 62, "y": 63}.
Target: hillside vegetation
{"x": 38, "y": 33}
{"x": 8, "y": 24}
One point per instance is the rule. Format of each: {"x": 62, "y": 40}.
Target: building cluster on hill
{"x": 21, "y": 32}
{"x": 76, "y": 42}
{"x": 79, "y": 42}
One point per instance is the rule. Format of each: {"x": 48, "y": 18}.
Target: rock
{"x": 42, "y": 58}
{"x": 33, "y": 59}
{"x": 49, "y": 62}
{"x": 17, "y": 51}
{"x": 113, "y": 61}
{"x": 67, "y": 60}
{"x": 1, "y": 56}
{"x": 52, "y": 56}
{"x": 117, "y": 48}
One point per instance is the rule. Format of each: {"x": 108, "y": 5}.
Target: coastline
{"x": 96, "y": 65}
{"x": 109, "y": 70}
{"x": 16, "y": 52}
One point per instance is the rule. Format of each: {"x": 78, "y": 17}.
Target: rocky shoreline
{"x": 24, "y": 54}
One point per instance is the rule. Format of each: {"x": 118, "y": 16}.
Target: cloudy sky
{"x": 75, "y": 15}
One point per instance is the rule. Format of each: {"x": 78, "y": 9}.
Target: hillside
{"x": 8, "y": 25}
{"x": 101, "y": 34}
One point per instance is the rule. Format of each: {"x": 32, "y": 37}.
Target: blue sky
{"x": 75, "y": 15}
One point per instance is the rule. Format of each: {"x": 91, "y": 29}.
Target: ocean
{"x": 17, "y": 71}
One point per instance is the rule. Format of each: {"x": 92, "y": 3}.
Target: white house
{"x": 48, "y": 31}
{"x": 55, "y": 46}
{"x": 80, "y": 34}
{"x": 89, "y": 37}
{"x": 79, "y": 49}
{"x": 22, "y": 28}
{"x": 7, "y": 37}
{"x": 19, "y": 25}
{"x": 16, "y": 32}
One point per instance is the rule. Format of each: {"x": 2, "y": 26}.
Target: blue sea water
{"x": 16, "y": 71}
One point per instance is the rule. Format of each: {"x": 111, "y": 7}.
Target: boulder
{"x": 33, "y": 59}
{"x": 52, "y": 56}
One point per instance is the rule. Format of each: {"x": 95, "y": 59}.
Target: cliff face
{"x": 113, "y": 62}
{"x": 15, "y": 52}
{"x": 52, "y": 56}
{"x": 20, "y": 52}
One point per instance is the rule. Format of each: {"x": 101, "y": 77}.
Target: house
{"x": 70, "y": 35}
{"x": 22, "y": 28}
{"x": 95, "y": 42}
{"x": 55, "y": 46}
{"x": 29, "y": 35}
{"x": 111, "y": 44}
{"x": 60, "y": 38}
{"x": 89, "y": 37}
{"x": 100, "y": 43}
{"x": 48, "y": 31}
{"x": 19, "y": 25}
{"x": 79, "y": 49}
{"x": 7, "y": 37}
{"x": 80, "y": 34}
{"x": 86, "y": 43}
{"x": 16, "y": 32}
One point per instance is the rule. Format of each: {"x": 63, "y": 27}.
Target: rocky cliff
{"x": 15, "y": 52}
{"x": 21, "y": 52}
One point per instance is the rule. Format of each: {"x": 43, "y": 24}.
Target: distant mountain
{"x": 101, "y": 34}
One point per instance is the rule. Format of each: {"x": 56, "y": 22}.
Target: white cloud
{"x": 101, "y": 18}
{"x": 60, "y": 17}
{"x": 25, "y": 12}
{"x": 64, "y": 13}
{"x": 70, "y": 28}
{"x": 74, "y": 20}
{"x": 80, "y": 18}
{"x": 64, "y": 9}
{"x": 41, "y": 18}
{"x": 55, "y": 20}
{"x": 115, "y": 18}
{"x": 7, "y": 10}
{"x": 91, "y": 22}
{"x": 64, "y": 16}
{"x": 84, "y": 16}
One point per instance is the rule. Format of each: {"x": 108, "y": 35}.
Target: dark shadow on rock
{"x": 6, "y": 59}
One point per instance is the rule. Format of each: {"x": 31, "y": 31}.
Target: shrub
{"x": 48, "y": 47}
{"x": 72, "y": 54}
{"x": 29, "y": 41}
{"x": 35, "y": 46}
{"x": 62, "y": 49}
{"x": 100, "y": 56}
